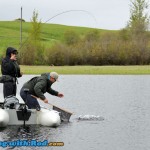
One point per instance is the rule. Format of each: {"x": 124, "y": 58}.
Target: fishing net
{"x": 64, "y": 115}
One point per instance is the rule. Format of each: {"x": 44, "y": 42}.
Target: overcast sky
{"x": 103, "y": 14}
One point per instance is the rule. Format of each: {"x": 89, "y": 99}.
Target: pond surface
{"x": 111, "y": 112}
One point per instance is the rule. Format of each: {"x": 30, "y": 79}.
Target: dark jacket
{"x": 10, "y": 67}
{"x": 39, "y": 85}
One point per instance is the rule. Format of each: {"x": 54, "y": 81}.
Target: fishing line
{"x": 72, "y": 11}
{"x": 89, "y": 13}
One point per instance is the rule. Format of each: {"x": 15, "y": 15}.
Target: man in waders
{"x": 10, "y": 71}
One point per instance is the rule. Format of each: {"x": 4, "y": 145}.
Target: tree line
{"x": 129, "y": 46}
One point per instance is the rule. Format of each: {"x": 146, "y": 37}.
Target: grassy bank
{"x": 95, "y": 70}
{"x": 10, "y": 33}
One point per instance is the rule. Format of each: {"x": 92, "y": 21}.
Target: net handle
{"x": 53, "y": 105}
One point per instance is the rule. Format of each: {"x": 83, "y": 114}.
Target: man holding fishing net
{"x": 36, "y": 87}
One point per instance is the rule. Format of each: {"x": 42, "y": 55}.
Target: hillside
{"x": 10, "y": 33}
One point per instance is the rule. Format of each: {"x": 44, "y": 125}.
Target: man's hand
{"x": 13, "y": 57}
{"x": 45, "y": 100}
{"x": 60, "y": 95}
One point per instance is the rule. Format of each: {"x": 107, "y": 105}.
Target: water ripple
{"x": 90, "y": 118}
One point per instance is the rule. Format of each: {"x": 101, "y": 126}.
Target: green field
{"x": 10, "y": 33}
{"x": 89, "y": 70}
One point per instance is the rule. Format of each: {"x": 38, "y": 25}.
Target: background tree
{"x": 71, "y": 37}
{"x": 139, "y": 19}
{"x": 33, "y": 51}
{"x": 137, "y": 27}
{"x": 36, "y": 27}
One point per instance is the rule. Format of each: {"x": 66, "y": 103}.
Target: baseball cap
{"x": 54, "y": 75}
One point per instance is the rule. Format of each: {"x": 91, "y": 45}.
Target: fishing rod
{"x": 72, "y": 11}
{"x": 89, "y": 13}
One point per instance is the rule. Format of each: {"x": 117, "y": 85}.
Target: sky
{"x": 102, "y": 14}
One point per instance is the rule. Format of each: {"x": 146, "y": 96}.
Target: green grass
{"x": 10, "y": 33}
{"x": 89, "y": 70}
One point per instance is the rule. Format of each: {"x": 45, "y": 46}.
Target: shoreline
{"x": 88, "y": 70}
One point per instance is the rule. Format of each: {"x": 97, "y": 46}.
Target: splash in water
{"x": 90, "y": 118}
{"x": 25, "y": 133}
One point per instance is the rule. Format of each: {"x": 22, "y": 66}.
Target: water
{"x": 110, "y": 113}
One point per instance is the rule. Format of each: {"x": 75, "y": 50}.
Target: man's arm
{"x": 53, "y": 92}
{"x": 38, "y": 89}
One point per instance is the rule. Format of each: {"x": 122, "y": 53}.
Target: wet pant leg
{"x": 30, "y": 101}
